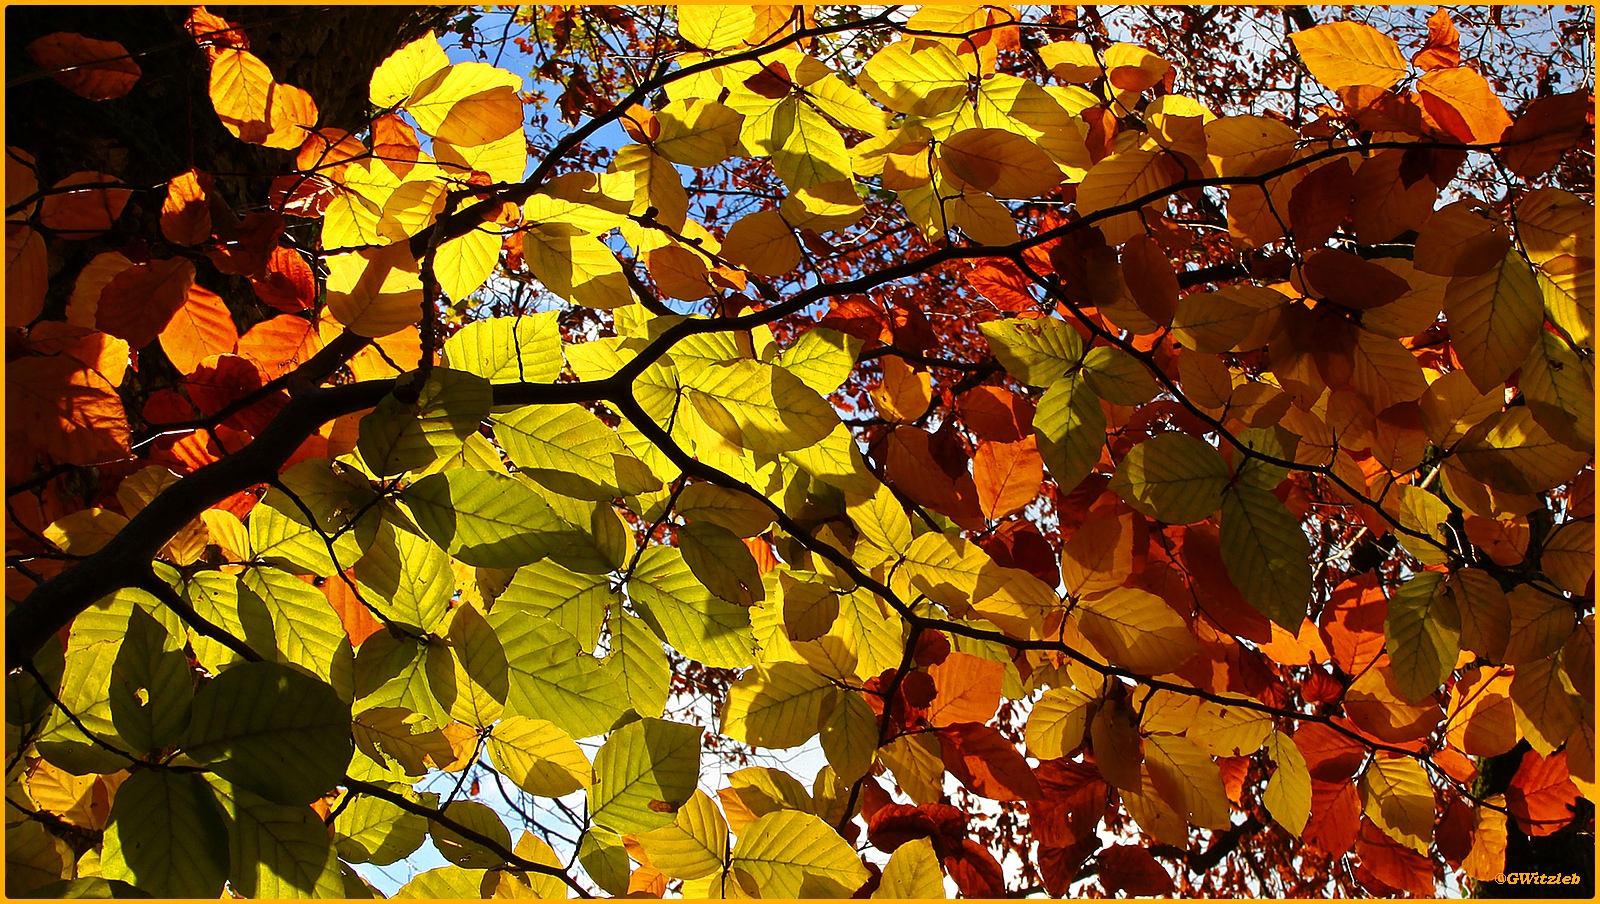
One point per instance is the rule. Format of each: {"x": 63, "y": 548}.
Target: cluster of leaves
{"x": 1222, "y": 480}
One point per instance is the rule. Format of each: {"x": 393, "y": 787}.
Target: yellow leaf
{"x": 1125, "y": 177}
{"x": 1057, "y": 722}
{"x": 1399, "y": 799}
{"x": 1288, "y": 794}
{"x": 1188, "y": 779}
{"x": 905, "y": 393}
{"x": 462, "y": 264}
{"x": 579, "y": 268}
{"x": 762, "y": 243}
{"x": 1130, "y": 67}
{"x": 253, "y": 106}
{"x": 398, "y": 76}
{"x": 1461, "y": 101}
{"x": 468, "y": 104}
{"x": 694, "y": 844}
{"x": 823, "y": 207}
{"x": 1002, "y": 163}
{"x": 919, "y": 80}
{"x": 538, "y": 757}
{"x": 86, "y": 531}
{"x": 1346, "y": 54}
{"x": 958, "y": 573}
{"x": 375, "y": 292}
{"x": 1137, "y": 630}
{"x": 1072, "y": 61}
{"x": 912, "y": 872}
{"x": 697, "y": 132}
{"x": 1248, "y": 145}
{"x": 1494, "y": 319}
{"x": 716, "y": 27}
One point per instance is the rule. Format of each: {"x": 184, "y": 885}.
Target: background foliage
{"x": 1116, "y": 450}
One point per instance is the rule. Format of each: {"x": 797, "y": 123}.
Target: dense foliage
{"x": 1121, "y": 451}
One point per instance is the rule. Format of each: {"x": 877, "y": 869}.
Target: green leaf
{"x": 306, "y": 631}
{"x": 760, "y": 407}
{"x": 779, "y": 706}
{"x": 645, "y": 771}
{"x": 392, "y": 671}
{"x": 1037, "y": 352}
{"x": 694, "y": 844}
{"x": 1267, "y": 554}
{"x": 791, "y": 854}
{"x": 36, "y": 860}
{"x": 400, "y": 436}
{"x": 1118, "y": 377}
{"x": 463, "y": 851}
{"x": 576, "y": 602}
{"x": 166, "y": 836}
{"x": 553, "y": 678}
{"x": 721, "y": 562}
{"x": 605, "y": 859}
{"x": 85, "y": 691}
{"x": 741, "y": 513}
{"x": 569, "y": 450}
{"x": 538, "y": 757}
{"x": 1424, "y": 634}
{"x": 373, "y": 830}
{"x": 151, "y": 687}
{"x": 107, "y": 619}
{"x": 508, "y": 349}
{"x": 638, "y": 662}
{"x": 406, "y": 577}
{"x": 277, "y": 851}
{"x": 337, "y": 511}
{"x": 837, "y": 462}
{"x": 215, "y": 598}
{"x": 1071, "y": 427}
{"x": 273, "y": 730}
{"x": 479, "y": 681}
{"x": 686, "y": 614}
{"x": 484, "y": 519}
{"x": 1172, "y": 477}
{"x": 444, "y": 882}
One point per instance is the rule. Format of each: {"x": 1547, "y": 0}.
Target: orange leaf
{"x": 987, "y": 763}
{"x": 1545, "y": 131}
{"x": 211, "y": 30}
{"x": 327, "y": 150}
{"x": 1542, "y": 796}
{"x": 59, "y": 407}
{"x": 995, "y": 413}
{"x": 904, "y": 394}
{"x": 201, "y": 327}
{"x": 1352, "y": 623}
{"x": 98, "y": 70}
{"x": 137, "y": 303}
{"x": 1443, "y": 47}
{"x": 1007, "y": 476}
{"x": 83, "y": 213}
{"x": 186, "y": 215}
{"x": 253, "y": 106}
{"x": 1482, "y": 721}
{"x": 289, "y": 284}
{"x": 27, "y": 274}
{"x": 1347, "y": 280}
{"x": 1335, "y": 817}
{"x": 356, "y": 618}
{"x": 1393, "y": 863}
{"x": 968, "y": 689}
{"x": 1463, "y": 104}
{"x": 281, "y": 344}
{"x": 1003, "y": 285}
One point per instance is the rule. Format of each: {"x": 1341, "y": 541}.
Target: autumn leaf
{"x": 98, "y": 70}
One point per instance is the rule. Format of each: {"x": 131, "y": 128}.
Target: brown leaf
{"x": 186, "y": 214}
{"x": 83, "y": 213}
{"x": 98, "y": 70}
{"x": 1130, "y": 868}
{"x": 976, "y": 873}
{"x": 987, "y": 763}
{"x": 1443, "y": 47}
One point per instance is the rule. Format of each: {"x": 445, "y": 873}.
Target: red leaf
{"x": 137, "y": 303}
{"x": 1393, "y": 863}
{"x": 98, "y": 70}
{"x": 1018, "y": 544}
{"x": 894, "y": 824}
{"x": 288, "y": 284}
{"x": 1542, "y": 795}
{"x": 1003, "y": 285}
{"x": 932, "y": 648}
{"x": 1071, "y": 804}
{"x": 995, "y": 413}
{"x": 1200, "y": 552}
{"x": 1453, "y": 833}
{"x": 976, "y": 873}
{"x": 1151, "y": 281}
{"x": 968, "y": 689}
{"x": 221, "y": 381}
{"x": 1331, "y": 756}
{"x": 987, "y": 763}
{"x": 910, "y": 466}
{"x": 1132, "y": 869}
{"x": 1335, "y": 817}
